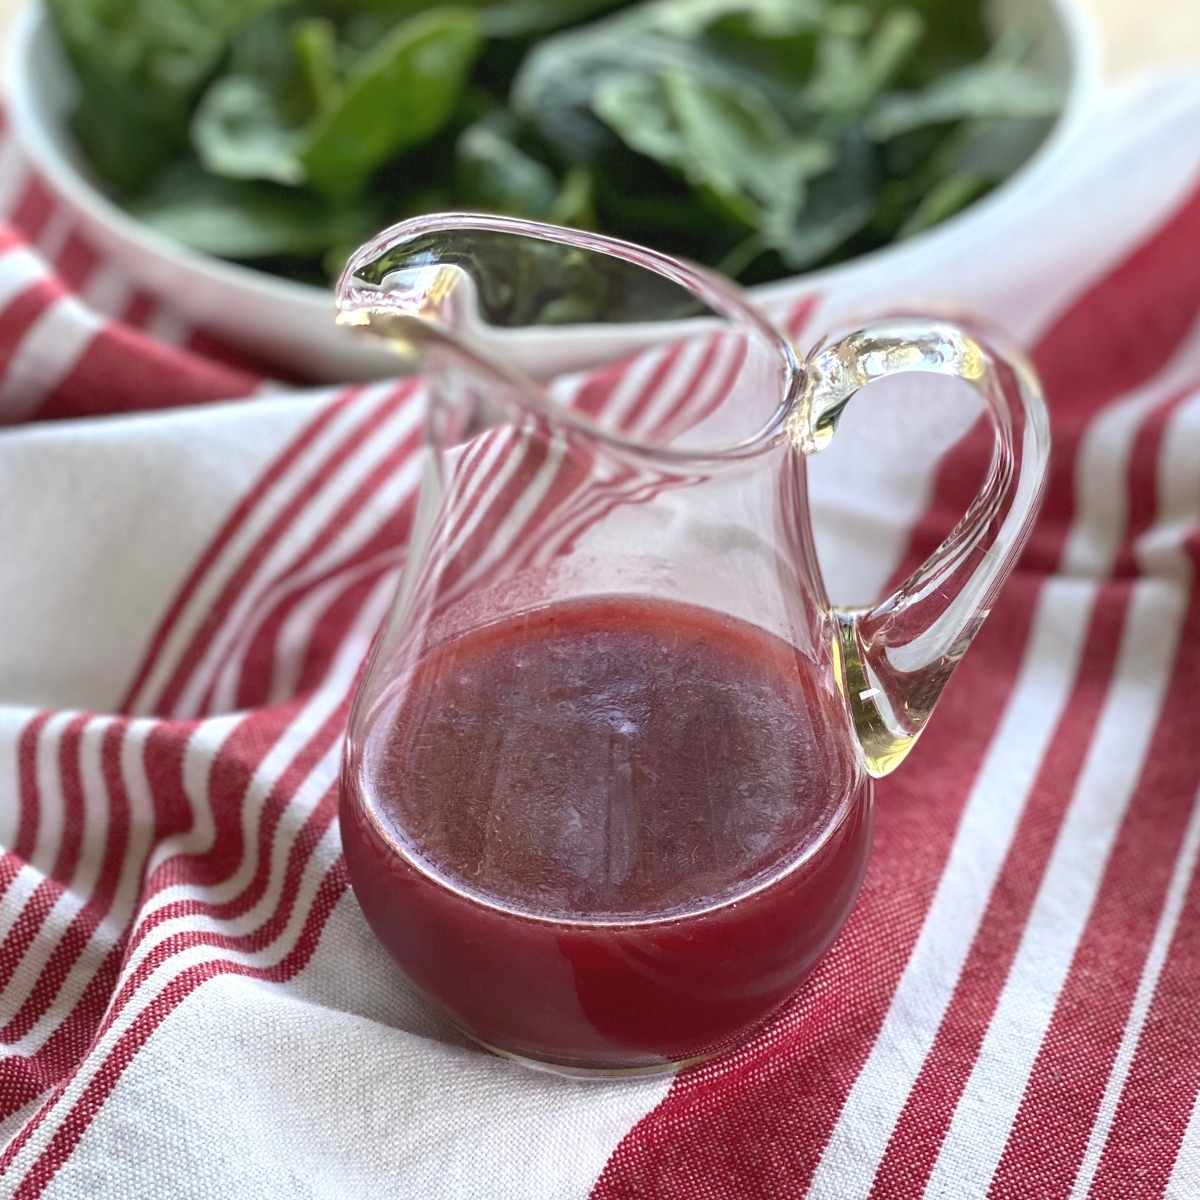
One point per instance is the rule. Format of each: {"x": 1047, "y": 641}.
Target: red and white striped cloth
{"x": 191, "y": 566}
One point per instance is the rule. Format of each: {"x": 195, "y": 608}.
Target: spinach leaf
{"x": 554, "y": 90}
{"x": 850, "y": 71}
{"x": 943, "y": 200}
{"x": 251, "y": 121}
{"x": 241, "y": 131}
{"x": 729, "y": 144}
{"x": 315, "y": 43}
{"x": 1000, "y": 86}
{"x": 528, "y": 18}
{"x": 239, "y": 219}
{"x": 398, "y": 95}
{"x": 495, "y": 174}
{"x": 575, "y": 203}
{"x": 766, "y": 19}
{"x": 838, "y": 204}
{"x": 141, "y": 64}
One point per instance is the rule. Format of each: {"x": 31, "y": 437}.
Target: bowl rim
{"x": 29, "y": 124}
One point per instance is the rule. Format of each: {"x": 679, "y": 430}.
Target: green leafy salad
{"x": 762, "y": 137}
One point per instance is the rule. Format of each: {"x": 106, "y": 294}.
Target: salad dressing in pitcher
{"x": 585, "y": 788}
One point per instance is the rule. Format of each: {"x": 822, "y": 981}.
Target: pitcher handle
{"x": 894, "y": 659}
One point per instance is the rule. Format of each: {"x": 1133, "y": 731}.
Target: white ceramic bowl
{"x": 292, "y": 323}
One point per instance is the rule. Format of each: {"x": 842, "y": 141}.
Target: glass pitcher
{"x": 606, "y": 793}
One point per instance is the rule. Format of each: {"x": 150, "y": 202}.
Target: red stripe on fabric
{"x": 913, "y": 1147}
{"x": 28, "y": 795}
{"x": 303, "y": 846}
{"x": 27, "y": 925}
{"x": 257, "y": 668}
{"x": 23, "y": 1078}
{"x": 1096, "y": 1001}
{"x": 681, "y": 419}
{"x": 9, "y": 237}
{"x": 800, "y": 314}
{"x": 1097, "y": 347}
{"x": 559, "y": 524}
{"x": 216, "y": 867}
{"x": 70, "y": 770}
{"x": 917, "y": 1137}
{"x": 131, "y": 1041}
{"x": 628, "y": 420}
{"x": 211, "y": 347}
{"x": 76, "y": 261}
{"x": 30, "y": 1075}
{"x": 121, "y": 371}
{"x": 138, "y": 311}
{"x": 529, "y": 453}
{"x": 34, "y": 208}
{"x": 628, "y": 486}
{"x": 33, "y": 914}
{"x": 1164, "y": 1077}
{"x": 788, "y": 1089}
{"x": 79, "y": 933}
{"x": 10, "y": 868}
{"x": 22, "y": 313}
{"x": 323, "y": 645}
{"x": 279, "y": 528}
{"x": 554, "y": 517}
{"x": 274, "y": 472}
{"x": 229, "y": 776}
{"x": 1064, "y": 1085}
{"x": 259, "y": 653}
{"x": 468, "y": 484}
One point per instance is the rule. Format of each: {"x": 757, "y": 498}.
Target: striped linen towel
{"x": 191, "y": 566}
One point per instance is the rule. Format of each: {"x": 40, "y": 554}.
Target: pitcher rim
{"x": 723, "y": 297}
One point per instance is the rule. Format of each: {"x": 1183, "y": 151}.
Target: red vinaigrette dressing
{"x": 608, "y": 833}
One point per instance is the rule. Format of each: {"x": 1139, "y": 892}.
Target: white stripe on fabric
{"x": 50, "y": 793}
